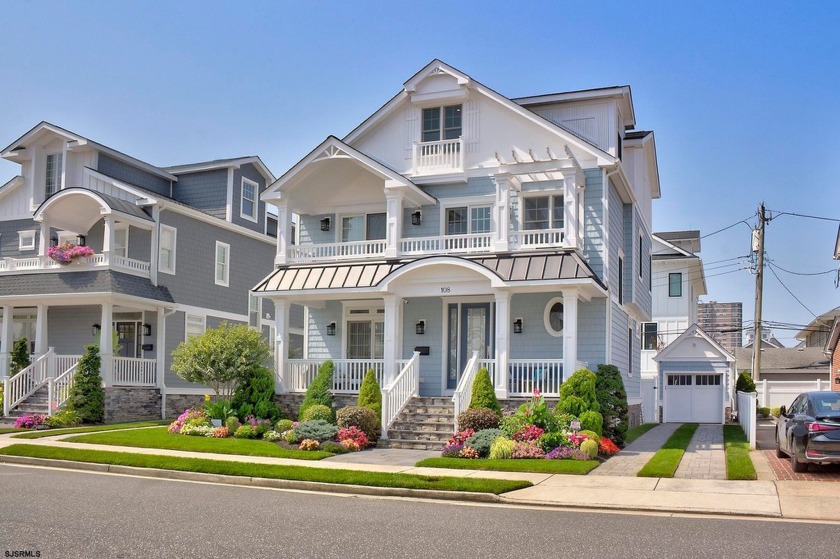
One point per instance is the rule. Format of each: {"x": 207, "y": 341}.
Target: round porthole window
{"x": 554, "y": 317}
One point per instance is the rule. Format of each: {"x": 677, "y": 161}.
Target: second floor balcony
{"x": 96, "y": 261}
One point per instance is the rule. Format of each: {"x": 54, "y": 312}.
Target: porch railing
{"x": 335, "y": 251}
{"x": 59, "y": 388}
{"x": 539, "y": 238}
{"x": 347, "y": 377}
{"x": 527, "y": 375}
{"x": 438, "y": 157}
{"x": 131, "y": 265}
{"x": 397, "y": 394}
{"x": 475, "y": 242}
{"x": 22, "y": 385}
{"x": 463, "y": 393}
{"x": 133, "y": 371}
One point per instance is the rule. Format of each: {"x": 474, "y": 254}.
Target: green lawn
{"x": 4, "y": 430}
{"x": 89, "y": 429}
{"x": 664, "y": 463}
{"x": 297, "y": 473}
{"x": 534, "y": 465}
{"x": 161, "y": 438}
{"x": 638, "y": 431}
{"x": 739, "y": 465}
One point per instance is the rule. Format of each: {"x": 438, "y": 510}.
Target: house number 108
{"x": 444, "y": 290}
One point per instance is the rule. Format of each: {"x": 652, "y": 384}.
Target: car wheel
{"x": 779, "y": 452}
{"x": 795, "y": 464}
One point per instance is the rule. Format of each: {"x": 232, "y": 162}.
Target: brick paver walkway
{"x": 634, "y": 456}
{"x": 816, "y": 472}
{"x": 705, "y": 457}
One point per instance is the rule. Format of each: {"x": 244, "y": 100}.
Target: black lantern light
{"x": 517, "y": 326}
{"x": 420, "y": 327}
{"x": 147, "y": 329}
{"x": 80, "y": 240}
{"x": 331, "y": 329}
{"x": 96, "y": 329}
{"x": 325, "y": 224}
{"x": 416, "y": 218}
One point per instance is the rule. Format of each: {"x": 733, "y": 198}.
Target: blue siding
{"x": 322, "y": 346}
{"x": 592, "y": 328}
{"x": 535, "y": 342}
{"x": 475, "y": 186}
{"x": 618, "y": 342}
{"x": 125, "y": 172}
{"x": 10, "y": 241}
{"x": 309, "y": 229}
{"x": 641, "y": 290}
{"x": 630, "y": 251}
{"x": 616, "y": 238}
{"x": 206, "y": 191}
{"x": 593, "y": 221}
{"x": 429, "y": 223}
{"x": 429, "y": 309}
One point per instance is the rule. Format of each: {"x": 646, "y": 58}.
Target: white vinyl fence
{"x": 746, "y": 415}
{"x": 777, "y": 393}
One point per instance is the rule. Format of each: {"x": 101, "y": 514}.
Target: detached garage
{"x": 695, "y": 373}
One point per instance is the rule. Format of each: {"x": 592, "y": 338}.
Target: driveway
{"x": 766, "y": 442}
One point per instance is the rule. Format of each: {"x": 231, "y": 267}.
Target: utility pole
{"x": 758, "y": 246}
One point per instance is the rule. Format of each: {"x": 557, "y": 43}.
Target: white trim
{"x": 229, "y": 196}
{"x": 469, "y": 203}
{"x": 546, "y": 313}
{"x": 121, "y": 227}
{"x": 225, "y": 281}
{"x": 550, "y": 194}
{"x": 145, "y": 197}
{"x": 202, "y": 317}
{"x": 174, "y": 231}
{"x": 256, "y": 201}
{"x": 25, "y": 239}
{"x": 223, "y": 315}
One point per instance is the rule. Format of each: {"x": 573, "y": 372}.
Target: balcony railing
{"x": 36, "y": 263}
{"x": 475, "y": 242}
{"x": 541, "y": 238}
{"x": 444, "y": 156}
{"x": 336, "y": 251}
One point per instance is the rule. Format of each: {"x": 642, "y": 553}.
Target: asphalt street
{"x": 67, "y": 514}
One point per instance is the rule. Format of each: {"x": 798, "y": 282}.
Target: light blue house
{"x": 455, "y": 229}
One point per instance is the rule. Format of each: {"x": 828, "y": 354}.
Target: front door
{"x": 128, "y": 342}
{"x": 469, "y": 331}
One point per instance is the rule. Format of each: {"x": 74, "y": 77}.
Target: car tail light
{"x": 815, "y": 427}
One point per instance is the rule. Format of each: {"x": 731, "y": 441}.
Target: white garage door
{"x": 693, "y": 398}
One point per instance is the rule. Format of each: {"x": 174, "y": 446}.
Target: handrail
{"x": 397, "y": 394}
{"x": 463, "y": 393}
{"x": 59, "y": 388}
{"x": 26, "y": 382}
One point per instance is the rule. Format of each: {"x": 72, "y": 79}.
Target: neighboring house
{"x": 768, "y": 340}
{"x": 723, "y": 322}
{"x": 815, "y": 334}
{"x": 176, "y": 251}
{"x": 786, "y": 363}
{"x": 456, "y": 228}
{"x": 832, "y": 351}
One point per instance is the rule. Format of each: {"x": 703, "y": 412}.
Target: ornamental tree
{"x": 609, "y": 389}
{"x": 221, "y": 357}
{"x": 20, "y": 356}
{"x": 87, "y": 398}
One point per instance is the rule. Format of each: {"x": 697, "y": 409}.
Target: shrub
{"x": 290, "y": 437}
{"x": 319, "y": 389}
{"x": 64, "y": 418}
{"x": 511, "y": 424}
{"x": 567, "y": 453}
{"x": 607, "y": 447}
{"x": 284, "y": 425}
{"x": 316, "y": 429}
{"x": 483, "y": 393}
{"x": 254, "y": 394}
{"x": 364, "y": 418}
{"x": 272, "y": 436}
{"x": 590, "y": 447}
{"x": 745, "y": 383}
{"x": 452, "y": 451}
{"x": 482, "y": 440}
{"x": 350, "y": 445}
{"x": 535, "y": 411}
{"x": 576, "y": 439}
{"x": 309, "y": 444}
{"x": 552, "y": 440}
{"x": 29, "y": 421}
{"x": 221, "y": 357}
{"x": 260, "y": 426}
{"x": 478, "y": 419}
{"x": 246, "y": 431}
{"x": 501, "y": 449}
{"x": 775, "y": 411}
{"x": 563, "y": 421}
{"x": 192, "y": 418}
{"x": 20, "y": 356}
{"x": 220, "y": 432}
{"x": 577, "y": 394}
{"x": 592, "y": 421}
{"x": 197, "y": 430}
{"x": 461, "y": 437}
{"x": 370, "y": 394}
{"x": 469, "y": 453}
{"x": 529, "y": 433}
{"x": 590, "y": 434}
{"x": 353, "y": 433}
{"x": 318, "y": 411}
{"x": 2, "y": 385}
{"x": 86, "y": 395}
{"x": 763, "y": 412}
{"x": 527, "y": 449}
{"x": 334, "y": 448}
{"x": 232, "y": 424}
{"x": 609, "y": 390}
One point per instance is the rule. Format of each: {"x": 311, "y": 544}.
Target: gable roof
{"x": 12, "y": 183}
{"x": 693, "y": 331}
{"x": 224, "y": 164}
{"x": 784, "y": 359}
{"x": 436, "y": 67}
{"x": 819, "y": 323}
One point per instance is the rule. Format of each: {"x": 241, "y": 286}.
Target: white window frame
{"x": 26, "y": 240}
{"x": 224, "y": 281}
{"x": 444, "y": 221}
{"x": 59, "y": 173}
{"x": 547, "y": 317}
{"x": 196, "y": 319}
{"x": 362, "y": 311}
{"x": 161, "y": 248}
{"x": 551, "y": 195}
{"x": 441, "y": 109}
{"x": 252, "y": 308}
{"x": 242, "y": 214}
{"x": 364, "y": 215}
{"x": 121, "y": 227}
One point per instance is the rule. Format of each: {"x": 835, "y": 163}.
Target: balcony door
{"x": 469, "y": 330}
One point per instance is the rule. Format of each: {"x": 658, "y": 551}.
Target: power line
{"x": 704, "y": 276}
{"x": 744, "y": 221}
{"x": 772, "y": 271}
{"x": 831, "y": 271}
{"x": 780, "y": 214}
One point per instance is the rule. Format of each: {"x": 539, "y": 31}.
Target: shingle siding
{"x": 10, "y": 240}
{"x": 535, "y": 342}
{"x": 592, "y": 332}
{"x": 132, "y": 175}
{"x": 70, "y": 328}
{"x": 206, "y": 191}
{"x": 593, "y": 221}
{"x": 249, "y": 172}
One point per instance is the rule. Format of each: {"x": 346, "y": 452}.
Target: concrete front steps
{"x": 35, "y": 404}
{"x": 426, "y": 423}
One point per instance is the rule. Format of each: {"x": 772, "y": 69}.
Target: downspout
{"x": 166, "y": 313}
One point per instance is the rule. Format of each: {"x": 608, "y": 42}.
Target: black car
{"x": 809, "y": 431}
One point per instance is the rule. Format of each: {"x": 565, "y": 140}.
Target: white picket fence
{"x": 777, "y": 393}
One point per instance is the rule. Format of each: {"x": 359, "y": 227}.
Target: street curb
{"x": 257, "y": 482}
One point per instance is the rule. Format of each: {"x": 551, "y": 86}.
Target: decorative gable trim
{"x": 693, "y": 331}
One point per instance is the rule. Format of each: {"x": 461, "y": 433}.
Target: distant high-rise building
{"x": 723, "y": 322}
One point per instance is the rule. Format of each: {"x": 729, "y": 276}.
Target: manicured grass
{"x": 297, "y": 473}
{"x": 664, "y": 463}
{"x": 638, "y": 431}
{"x": 161, "y": 438}
{"x": 90, "y": 429}
{"x": 739, "y": 465}
{"x": 4, "y": 430}
{"x": 536, "y": 465}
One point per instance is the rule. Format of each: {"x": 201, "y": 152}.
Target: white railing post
{"x": 399, "y": 392}
{"x": 6, "y": 397}
{"x": 463, "y": 393}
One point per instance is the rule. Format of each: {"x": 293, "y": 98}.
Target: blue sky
{"x": 739, "y": 94}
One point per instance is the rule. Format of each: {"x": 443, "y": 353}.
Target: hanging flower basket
{"x": 67, "y": 252}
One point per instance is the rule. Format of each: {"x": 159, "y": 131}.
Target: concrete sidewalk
{"x": 805, "y": 500}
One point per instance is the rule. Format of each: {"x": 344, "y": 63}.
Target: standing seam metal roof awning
{"x": 509, "y": 268}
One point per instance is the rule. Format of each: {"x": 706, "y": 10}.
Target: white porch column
{"x": 570, "y": 334}
{"x": 570, "y": 211}
{"x": 393, "y": 308}
{"x": 106, "y": 345}
{"x": 160, "y": 347}
{"x": 41, "y": 330}
{"x": 502, "y": 342}
{"x": 284, "y": 232}
{"x": 394, "y": 228}
{"x": 44, "y": 240}
{"x": 501, "y": 211}
{"x": 281, "y": 345}
{"x": 108, "y": 239}
{"x": 6, "y": 341}
{"x": 154, "y": 250}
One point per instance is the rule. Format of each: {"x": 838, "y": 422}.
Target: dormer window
{"x": 442, "y": 123}
{"x": 248, "y": 208}
{"x": 52, "y": 182}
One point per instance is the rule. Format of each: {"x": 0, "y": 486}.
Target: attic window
{"x": 248, "y": 208}
{"x": 442, "y": 123}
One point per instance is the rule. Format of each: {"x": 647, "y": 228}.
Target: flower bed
{"x": 67, "y": 252}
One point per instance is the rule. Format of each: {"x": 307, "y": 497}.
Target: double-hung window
{"x": 542, "y": 212}
{"x": 52, "y": 180}
{"x": 166, "y": 256}
{"x": 254, "y": 312}
{"x": 365, "y": 334}
{"x": 650, "y": 339}
{"x": 121, "y": 241}
{"x": 222, "y": 264}
{"x": 248, "y": 207}
{"x": 442, "y": 123}
{"x": 675, "y": 284}
{"x": 363, "y": 227}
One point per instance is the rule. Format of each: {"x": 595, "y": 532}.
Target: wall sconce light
{"x": 325, "y": 224}
{"x": 80, "y": 240}
{"x": 331, "y": 329}
{"x": 53, "y": 241}
{"x": 147, "y": 329}
{"x": 416, "y": 218}
{"x": 420, "y": 327}
{"x": 517, "y": 326}
{"x": 96, "y": 329}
